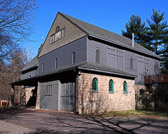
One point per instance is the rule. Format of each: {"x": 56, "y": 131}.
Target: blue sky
{"x": 108, "y": 14}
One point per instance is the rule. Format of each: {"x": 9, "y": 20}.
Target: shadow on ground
{"x": 67, "y": 123}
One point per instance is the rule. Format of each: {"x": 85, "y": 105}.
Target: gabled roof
{"x": 109, "y": 36}
{"x": 30, "y": 65}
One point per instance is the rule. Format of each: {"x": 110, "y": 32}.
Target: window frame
{"x": 95, "y": 85}
{"x": 131, "y": 63}
{"x": 111, "y": 86}
{"x": 57, "y": 35}
{"x": 73, "y": 57}
{"x": 62, "y": 33}
{"x": 43, "y": 68}
{"x": 97, "y": 56}
{"x": 56, "y": 63}
{"x": 125, "y": 87}
{"x": 57, "y": 29}
{"x": 52, "y": 38}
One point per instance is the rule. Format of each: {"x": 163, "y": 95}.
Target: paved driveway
{"x": 37, "y": 122}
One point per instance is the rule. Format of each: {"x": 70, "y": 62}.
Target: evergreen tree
{"x": 158, "y": 37}
{"x": 136, "y": 26}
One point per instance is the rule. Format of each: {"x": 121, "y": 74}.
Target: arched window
{"x": 97, "y": 56}
{"x": 56, "y": 63}
{"x": 131, "y": 63}
{"x": 111, "y": 86}
{"x": 142, "y": 94}
{"x": 43, "y": 68}
{"x": 125, "y": 87}
{"x": 57, "y": 29}
{"x": 95, "y": 84}
{"x": 73, "y": 57}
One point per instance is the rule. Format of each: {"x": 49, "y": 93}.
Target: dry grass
{"x": 134, "y": 113}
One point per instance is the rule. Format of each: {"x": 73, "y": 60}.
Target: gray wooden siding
{"x": 120, "y": 59}
{"x": 67, "y": 96}
{"x": 92, "y": 46}
{"x": 49, "y": 98}
{"x": 64, "y": 55}
{"x": 29, "y": 74}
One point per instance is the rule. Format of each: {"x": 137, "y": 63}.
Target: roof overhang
{"x": 89, "y": 67}
{"x": 107, "y": 72}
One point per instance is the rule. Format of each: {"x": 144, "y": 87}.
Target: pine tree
{"x": 136, "y": 26}
{"x": 158, "y": 37}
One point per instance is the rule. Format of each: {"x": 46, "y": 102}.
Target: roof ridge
{"x": 64, "y": 15}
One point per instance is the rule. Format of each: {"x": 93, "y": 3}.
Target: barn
{"x": 86, "y": 69}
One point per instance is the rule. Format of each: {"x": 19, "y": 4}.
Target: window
{"x": 97, "y": 56}
{"x": 142, "y": 95}
{"x": 56, "y": 63}
{"x": 62, "y": 32}
{"x": 131, "y": 63}
{"x": 73, "y": 58}
{"x": 125, "y": 87}
{"x": 58, "y": 35}
{"x": 57, "y": 29}
{"x": 111, "y": 86}
{"x": 48, "y": 90}
{"x": 52, "y": 38}
{"x": 95, "y": 85}
{"x": 43, "y": 68}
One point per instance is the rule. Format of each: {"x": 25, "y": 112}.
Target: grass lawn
{"x": 134, "y": 112}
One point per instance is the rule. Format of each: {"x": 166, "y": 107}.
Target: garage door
{"x": 67, "y": 96}
{"x": 49, "y": 95}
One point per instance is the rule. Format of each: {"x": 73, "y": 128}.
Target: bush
{"x": 161, "y": 97}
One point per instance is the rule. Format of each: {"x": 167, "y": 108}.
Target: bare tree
{"x": 15, "y": 23}
{"x": 9, "y": 72}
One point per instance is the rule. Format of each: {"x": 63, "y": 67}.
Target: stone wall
{"x": 138, "y": 97}
{"x": 103, "y": 101}
{"x": 138, "y": 87}
{"x": 18, "y": 96}
{"x": 29, "y": 93}
{"x": 146, "y": 99}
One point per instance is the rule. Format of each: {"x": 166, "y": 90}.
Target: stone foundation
{"x": 103, "y": 101}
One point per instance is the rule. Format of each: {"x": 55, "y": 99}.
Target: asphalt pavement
{"x": 23, "y": 121}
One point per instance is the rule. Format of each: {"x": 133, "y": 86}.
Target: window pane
{"x": 62, "y": 32}
{"x": 56, "y": 63}
{"x": 57, "y": 29}
{"x": 43, "y": 68}
{"x": 125, "y": 87}
{"x": 95, "y": 85}
{"x": 111, "y": 86}
{"x": 58, "y": 36}
{"x": 73, "y": 58}
{"x": 51, "y": 39}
